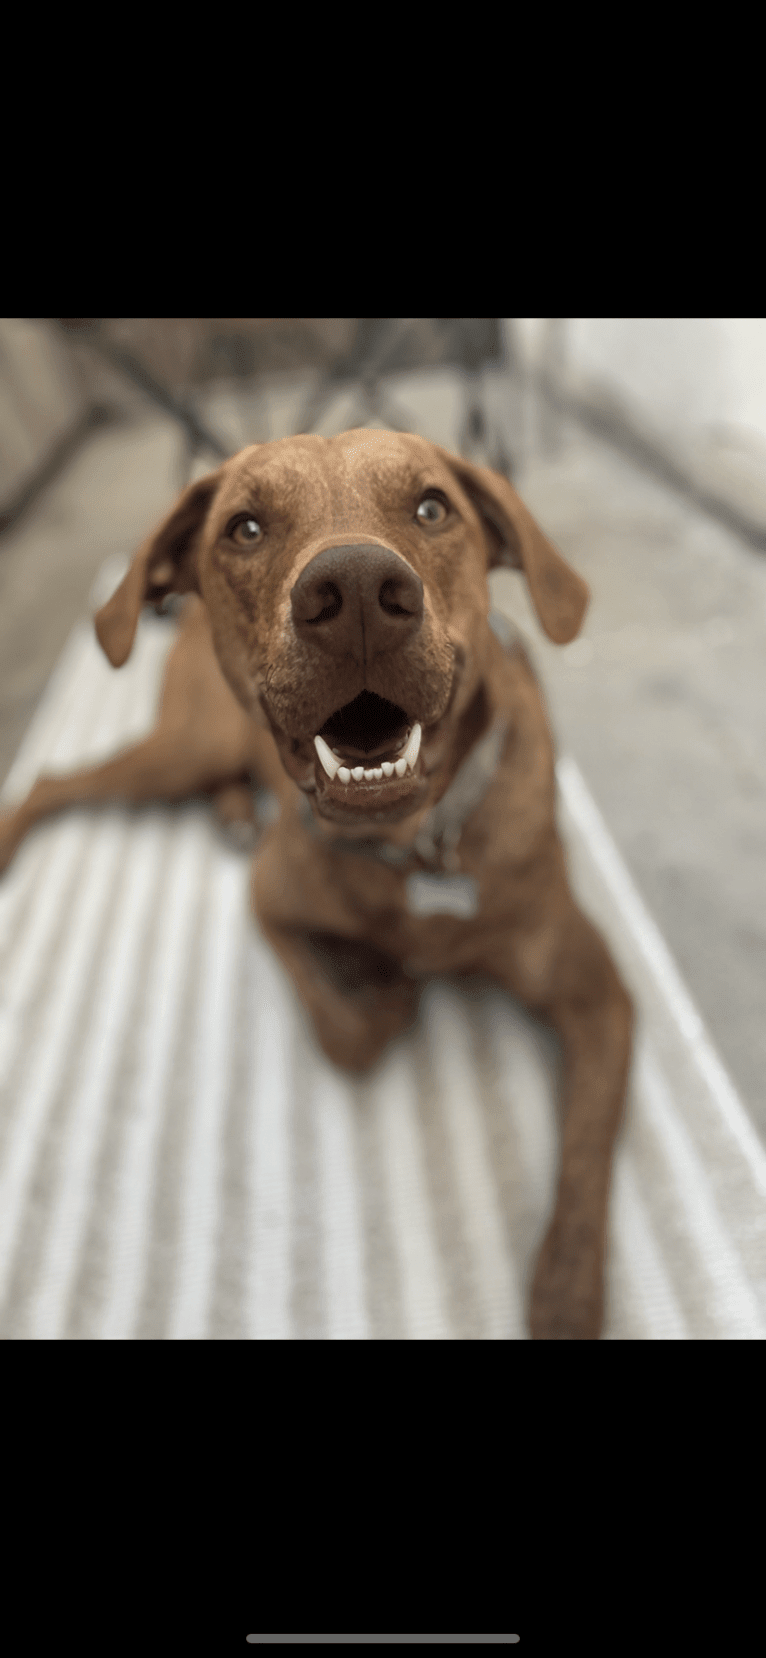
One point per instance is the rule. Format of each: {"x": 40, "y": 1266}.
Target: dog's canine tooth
{"x": 387, "y": 768}
{"x": 331, "y": 765}
{"x": 344, "y": 774}
{"x": 412, "y": 750}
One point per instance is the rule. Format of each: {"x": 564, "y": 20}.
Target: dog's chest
{"x": 427, "y": 919}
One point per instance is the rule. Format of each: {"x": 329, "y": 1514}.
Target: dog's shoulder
{"x": 515, "y": 684}
{"x": 518, "y": 810}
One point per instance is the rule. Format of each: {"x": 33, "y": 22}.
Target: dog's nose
{"x": 357, "y": 600}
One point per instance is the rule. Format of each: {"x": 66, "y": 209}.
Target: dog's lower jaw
{"x": 356, "y": 806}
{"x": 360, "y": 818}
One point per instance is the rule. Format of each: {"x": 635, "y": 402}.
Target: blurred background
{"x": 638, "y": 443}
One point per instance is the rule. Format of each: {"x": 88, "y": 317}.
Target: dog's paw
{"x": 551, "y": 1322}
{"x": 354, "y": 1032}
{"x": 567, "y": 1292}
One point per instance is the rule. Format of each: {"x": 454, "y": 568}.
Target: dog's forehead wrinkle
{"x": 278, "y": 486}
{"x": 380, "y": 477}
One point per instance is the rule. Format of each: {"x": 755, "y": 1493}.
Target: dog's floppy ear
{"x": 516, "y": 542}
{"x": 165, "y": 563}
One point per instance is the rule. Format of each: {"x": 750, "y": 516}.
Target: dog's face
{"x": 346, "y": 585}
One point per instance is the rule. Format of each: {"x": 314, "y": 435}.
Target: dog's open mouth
{"x": 367, "y": 750}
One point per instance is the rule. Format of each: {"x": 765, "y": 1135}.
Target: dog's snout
{"x": 359, "y": 600}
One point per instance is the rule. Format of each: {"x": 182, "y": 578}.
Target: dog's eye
{"x": 432, "y": 510}
{"x": 244, "y": 531}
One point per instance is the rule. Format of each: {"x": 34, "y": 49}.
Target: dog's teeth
{"x": 387, "y": 768}
{"x": 412, "y": 750}
{"x": 331, "y": 765}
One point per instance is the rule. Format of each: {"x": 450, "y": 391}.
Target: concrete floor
{"x": 662, "y": 701}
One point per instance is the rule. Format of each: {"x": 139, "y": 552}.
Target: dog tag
{"x": 443, "y": 895}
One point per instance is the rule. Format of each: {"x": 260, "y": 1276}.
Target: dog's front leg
{"x": 354, "y": 1021}
{"x": 168, "y": 765}
{"x": 357, "y": 995}
{"x": 564, "y": 972}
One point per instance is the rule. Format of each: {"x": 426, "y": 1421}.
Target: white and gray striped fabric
{"x": 178, "y": 1161}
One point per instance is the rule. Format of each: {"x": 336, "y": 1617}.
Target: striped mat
{"x": 178, "y": 1161}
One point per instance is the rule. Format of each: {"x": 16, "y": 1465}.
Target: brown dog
{"x": 340, "y": 652}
